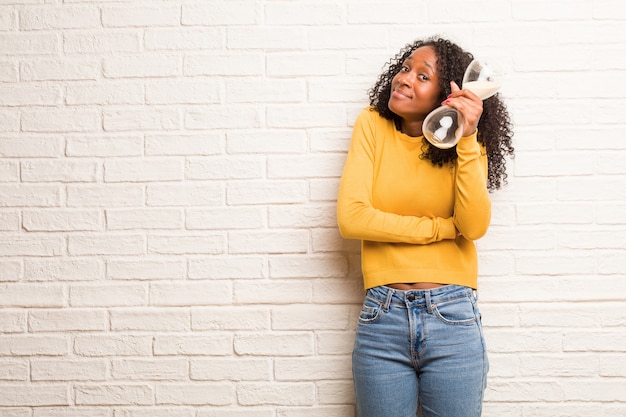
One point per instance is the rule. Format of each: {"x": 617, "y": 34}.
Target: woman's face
{"x": 415, "y": 89}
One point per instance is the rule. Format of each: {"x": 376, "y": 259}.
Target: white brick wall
{"x": 168, "y": 174}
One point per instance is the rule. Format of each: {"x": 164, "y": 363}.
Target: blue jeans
{"x": 423, "y": 346}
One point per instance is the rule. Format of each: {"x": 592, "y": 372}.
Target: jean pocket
{"x": 370, "y": 311}
{"x": 458, "y": 312}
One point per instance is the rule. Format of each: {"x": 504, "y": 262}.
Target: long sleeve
{"x": 472, "y": 205}
{"x": 356, "y": 215}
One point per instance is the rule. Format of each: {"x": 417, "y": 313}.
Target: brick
{"x": 8, "y": 20}
{"x": 275, "y": 344}
{"x": 250, "y": 90}
{"x": 145, "y": 65}
{"x": 32, "y": 295}
{"x": 62, "y": 120}
{"x": 14, "y": 370}
{"x": 106, "y": 245}
{"x": 150, "y": 319}
{"x": 213, "y": 394}
{"x": 29, "y": 146}
{"x": 337, "y": 291}
{"x": 70, "y": 412}
{"x": 222, "y": 117}
{"x": 268, "y": 242}
{"x": 198, "y": 144}
{"x": 191, "y": 293}
{"x": 106, "y": 42}
{"x": 166, "y": 39}
{"x": 108, "y": 295}
{"x": 145, "y": 269}
{"x": 31, "y": 245}
{"x": 25, "y": 95}
{"x": 150, "y": 370}
{"x": 562, "y": 366}
{"x": 9, "y": 171}
{"x": 132, "y": 219}
{"x": 68, "y": 370}
{"x": 154, "y": 412}
{"x": 230, "y": 369}
{"x": 312, "y": 369}
{"x": 34, "y": 395}
{"x": 197, "y": 91}
{"x": 9, "y": 221}
{"x": 285, "y": 394}
{"x": 216, "y": 344}
{"x": 309, "y": 115}
{"x": 30, "y": 195}
{"x": 9, "y": 72}
{"x": 66, "y": 320}
{"x": 104, "y": 146}
{"x": 295, "y": 216}
{"x": 328, "y": 411}
{"x": 304, "y": 13}
{"x": 187, "y": 244}
{"x": 159, "y": 119}
{"x": 266, "y": 192}
{"x": 333, "y": 343}
{"x": 31, "y": 345}
{"x": 273, "y": 37}
{"x": 10, "y": 120}
{"x": 230, "y": 318}
{"x": 512, "y": 340}
{"x": 535, "y": 391}
{"x": 29, "y": 44}
{"x": 216, "y": 13}
{"x": 297, "y": 64}
{"x": 10, "y": 270}
{"x": 109, "y": 195}
{"x": 142, "y": 16}
{"x": 313, "y": 317}
{"x": 231, "y": 267}
{"x": 214, "y": 168}
{"x": 143, "y": 170}
{"x": 12, "y": 321}
{"x": 225, "y": 218}
{"x": 112, "y": 345}
{"x": 186, "y": 194}
{"x": 236, "y": 412}
{"x": 593, "y": 341}
{"x": 336, "y": 392}
{"x": 105, "y": 93}
{"x": 114, "y": 394}
{"x": 266, "y": 142}
{"x": 69, "y": 69}
{"x": 58, "y": 171}
{"x": 69, "y": 17}
{"x": 277, "y": 292}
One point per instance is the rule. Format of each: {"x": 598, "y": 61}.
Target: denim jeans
{"x": 423, "y": 346}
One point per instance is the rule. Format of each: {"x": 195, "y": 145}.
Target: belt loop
{"x": 387, "y": 302}
{"x": 429, "y": 308}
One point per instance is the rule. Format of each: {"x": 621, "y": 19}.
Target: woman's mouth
{"x": 401, "y": 94}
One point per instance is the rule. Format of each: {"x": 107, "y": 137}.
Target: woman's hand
{"x": 468, "y": 104}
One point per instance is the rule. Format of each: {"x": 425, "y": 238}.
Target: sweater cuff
{"x": 448, "y": 229}
{"x": 468, "y": 147}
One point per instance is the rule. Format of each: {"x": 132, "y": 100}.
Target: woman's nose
{"x": 404, "y": 79}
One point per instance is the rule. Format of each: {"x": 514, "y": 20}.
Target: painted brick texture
{"x": 168, "y": 176}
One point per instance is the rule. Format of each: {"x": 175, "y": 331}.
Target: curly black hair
{"x": 495, "y": 129}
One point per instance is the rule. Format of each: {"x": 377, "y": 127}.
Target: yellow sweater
{"x": 407, "y": 211}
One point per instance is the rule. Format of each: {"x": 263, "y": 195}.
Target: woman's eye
{"x": 405, "y": 68}
{"x": 423, "y": 77}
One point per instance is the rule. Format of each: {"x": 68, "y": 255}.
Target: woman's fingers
{"x": 468, "y": 104}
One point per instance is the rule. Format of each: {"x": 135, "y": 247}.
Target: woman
{"x": 417, "y": 210}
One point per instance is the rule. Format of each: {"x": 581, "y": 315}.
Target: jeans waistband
{"x": 388, "y": 295}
